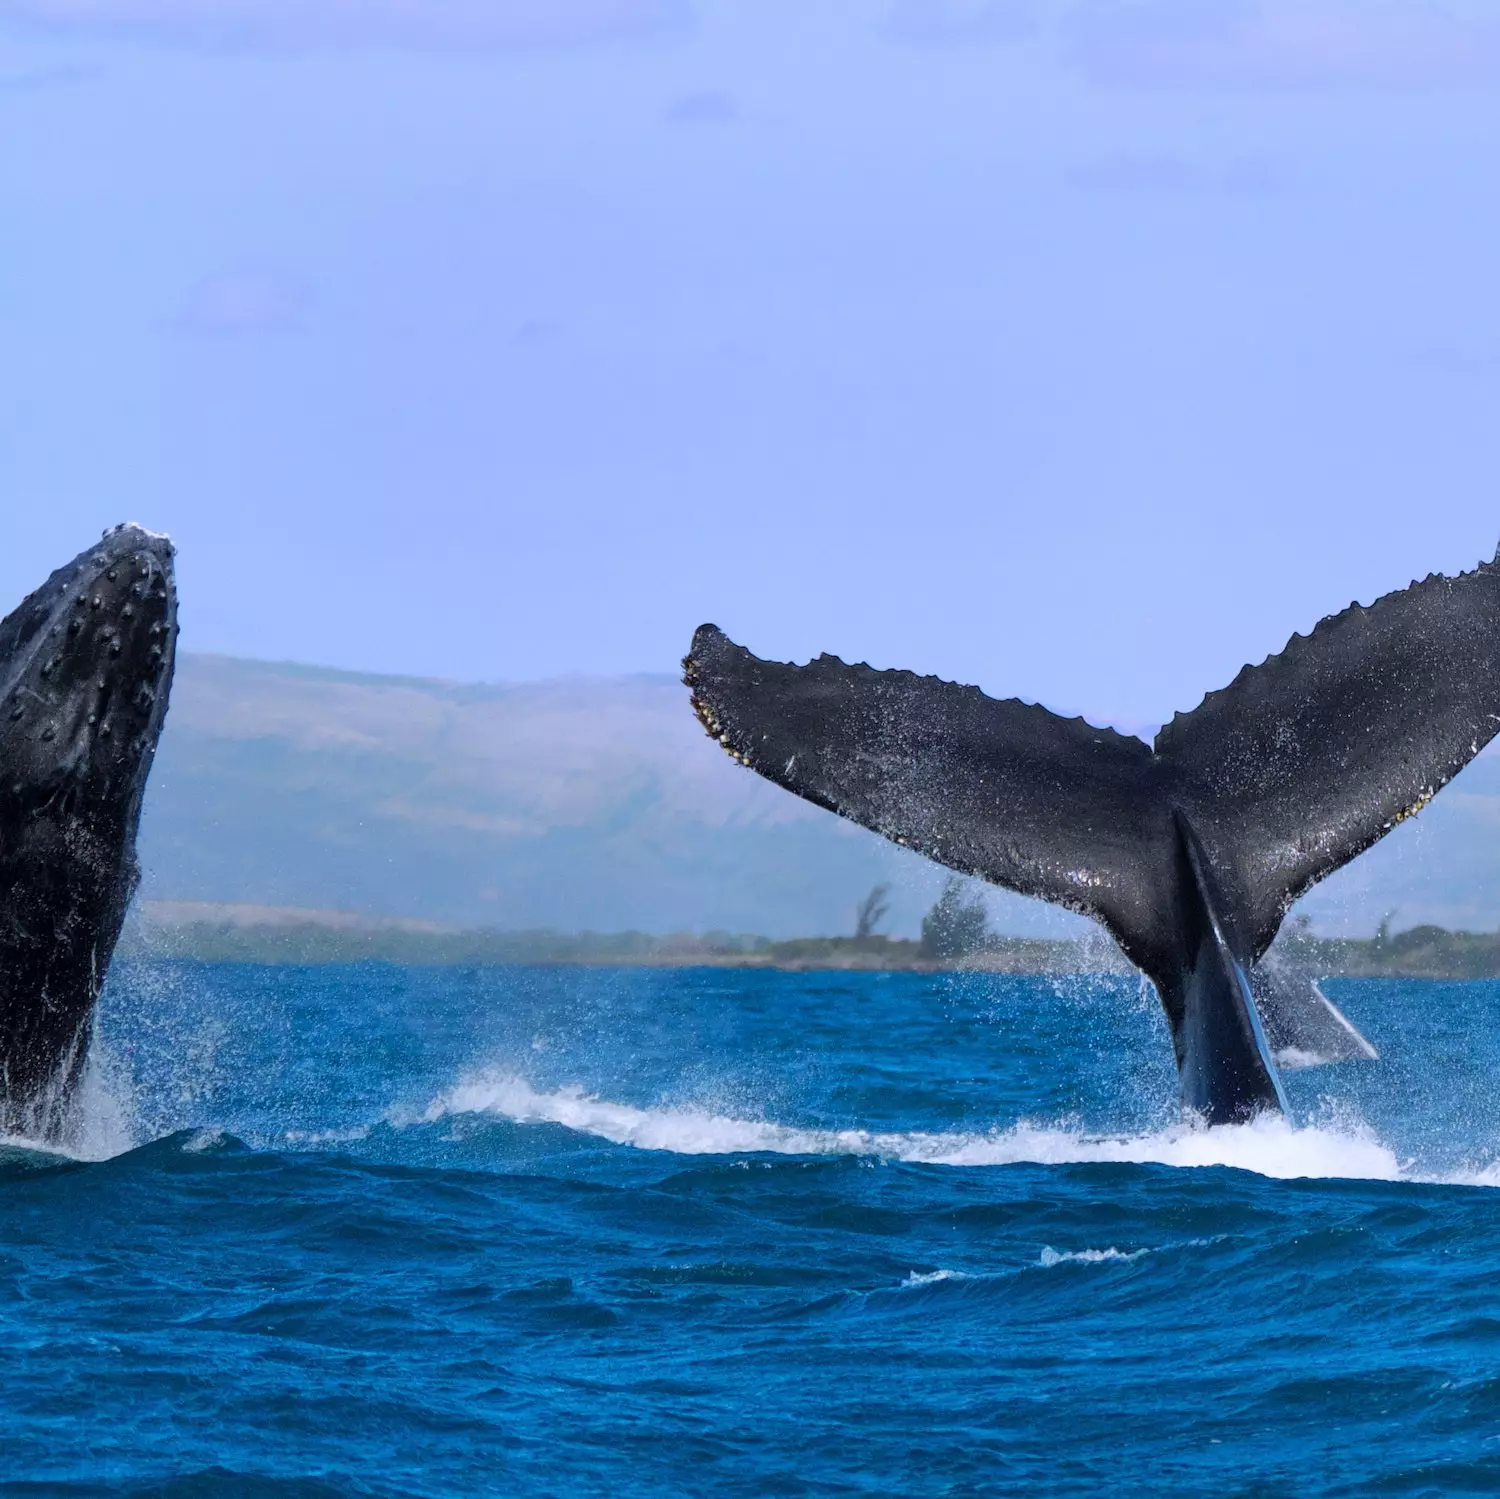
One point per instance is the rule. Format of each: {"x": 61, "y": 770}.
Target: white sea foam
{"x": 105, "y": 1126}
{"x": 932, "y": 1277}
{"x": 1268, "y": 1146}
{"x": 1471, "y": 1176}
{"x": 36, "y": 1152}
{"x": 100, "y": 1125}
{"x": 1046, "y": 1260}
{"x": 351, "y": 1135}
{"x": 1050, "y": 1256}
{"x": 201, "y": 1141}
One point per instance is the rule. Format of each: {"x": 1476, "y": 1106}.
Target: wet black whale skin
{"x": 85, "y": 673}
{"x": 1276, "y": 780}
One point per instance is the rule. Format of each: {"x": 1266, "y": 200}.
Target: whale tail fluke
{"x": 1304, "y": 761}
{"x": 1298, "y": 765}
{"x": 1007, "y": 791}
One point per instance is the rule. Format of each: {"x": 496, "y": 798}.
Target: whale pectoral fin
{"x": 1304, "y": 761}
{"x": 1305, "y": 1027}
{"x": 1046, "y": 806}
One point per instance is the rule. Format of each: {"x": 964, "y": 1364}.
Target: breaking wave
{"x": 1267, "y": 1146}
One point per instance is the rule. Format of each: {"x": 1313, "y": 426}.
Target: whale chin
{"x": 85, "y": 676}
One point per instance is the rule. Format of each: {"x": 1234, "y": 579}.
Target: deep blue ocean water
{"x": 632, "y": 1232}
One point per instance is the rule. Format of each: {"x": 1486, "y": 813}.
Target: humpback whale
{"x": 1188, "y": 851}
{"x": 85, "y": 671}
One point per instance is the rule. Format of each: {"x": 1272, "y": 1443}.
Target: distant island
{"x": 215, "y": 933}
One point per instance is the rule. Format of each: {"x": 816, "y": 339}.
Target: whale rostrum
{"x": 85, "y": 671}
{"x": 1188, "y": 851}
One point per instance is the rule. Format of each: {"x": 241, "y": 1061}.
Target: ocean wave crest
{"x": 1268, "y": 1146}
{"x": 1050, "y": 1256}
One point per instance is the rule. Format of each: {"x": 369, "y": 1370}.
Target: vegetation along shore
{"x": 292, "y": 935}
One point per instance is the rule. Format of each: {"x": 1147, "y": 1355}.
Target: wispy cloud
{"x": 536, "y": 332}
{"x": 242, "y": 304}
{"x": 295, "y": 25}
{"x": 42, "y": 80}
{"x": 1458, "y": 360}
{"x": 1281, "y": 44}
{"x": 1164, "y": 173}
{"x": 946, "y": 23}
{"x": 704, "y": 107}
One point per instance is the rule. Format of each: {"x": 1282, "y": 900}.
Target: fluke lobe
{"x": 85, "y": 670}
{"x": 1188, "y": 852}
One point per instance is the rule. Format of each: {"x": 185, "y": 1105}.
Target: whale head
{"x": 85, "y": 672}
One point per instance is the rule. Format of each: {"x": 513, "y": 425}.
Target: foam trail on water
{"x": 1268, "y": 1145}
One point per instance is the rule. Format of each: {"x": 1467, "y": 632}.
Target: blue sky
{"x": 1081, "y": 350}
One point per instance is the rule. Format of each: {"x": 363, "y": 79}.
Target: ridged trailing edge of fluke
{"x": 1188, "y": 851}
{"x": 85, "y": 674}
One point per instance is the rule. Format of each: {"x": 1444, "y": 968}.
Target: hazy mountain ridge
{"x": 569, "y": 804}
{"x": 599, "y": 803}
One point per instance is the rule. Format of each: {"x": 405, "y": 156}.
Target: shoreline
{"x": 271, "y": 936}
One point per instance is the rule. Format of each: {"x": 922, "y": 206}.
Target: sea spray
{"x": 1268, "y": 1145}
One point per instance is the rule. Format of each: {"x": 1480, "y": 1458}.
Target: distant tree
{"x": 956, "y": 925}
{"x": 870, "y": 912}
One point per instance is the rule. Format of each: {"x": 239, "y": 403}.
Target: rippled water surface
{"x": 570, "y": 1232}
